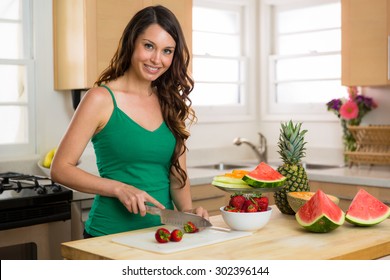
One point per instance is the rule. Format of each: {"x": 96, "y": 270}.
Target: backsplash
{"x": 381, "y": 114}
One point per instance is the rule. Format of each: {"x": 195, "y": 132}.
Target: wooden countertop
{"x": 282, "y": 238}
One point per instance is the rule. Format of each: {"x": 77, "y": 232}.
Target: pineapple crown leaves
{"x": 291, "y": 142}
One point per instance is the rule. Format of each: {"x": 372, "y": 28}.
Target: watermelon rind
{"x": 366, "y": 210}
{"x": 365, "y": 223}
{"x": 258, "y": 183}
{"x": 320, "y": 214}
{"x": 322, "y": 224}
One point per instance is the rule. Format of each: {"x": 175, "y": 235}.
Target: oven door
{"x": 36, "y": 242}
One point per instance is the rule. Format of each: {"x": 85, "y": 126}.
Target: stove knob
{"x": 41, "y": 190}
{"x": 56, "y": 188}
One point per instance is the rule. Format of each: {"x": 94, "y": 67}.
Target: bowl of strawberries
{"x": 246, "y": 212}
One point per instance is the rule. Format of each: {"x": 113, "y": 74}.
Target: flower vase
{"x": 348, "y": 140}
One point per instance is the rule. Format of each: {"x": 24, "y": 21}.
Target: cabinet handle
{"x": 388, "y": 57}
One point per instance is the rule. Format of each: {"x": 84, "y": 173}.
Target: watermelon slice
{"x": 366, "y": 210}
{"x": 320, "y": 214}
{"x": 264, "y": 176}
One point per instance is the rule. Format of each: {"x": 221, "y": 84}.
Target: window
{"x": 221, "y": 63}
{"x": 16, "y": 80}
{"x": 305, "y": 61}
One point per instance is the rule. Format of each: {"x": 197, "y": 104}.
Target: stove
{"x": 27, "y": 200}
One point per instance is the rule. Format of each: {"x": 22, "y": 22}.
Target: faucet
{"x": 260, "y": 151}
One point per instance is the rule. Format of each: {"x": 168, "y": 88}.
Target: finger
{"x": 134, "y": 205}
{"x": 202, "y": 212}
{"x": 142, "y": 209}
{"x": 155, "y": 202}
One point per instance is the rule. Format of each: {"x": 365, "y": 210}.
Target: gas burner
{"x": 31, "y": 199}
{"x": 17, "y": 182}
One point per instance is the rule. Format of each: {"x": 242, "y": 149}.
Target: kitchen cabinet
{"x": 86, "y": 35}
{"x": 209, "y": 197}
{"x": 365, "y": 42}
{"x": 346, "y": 192}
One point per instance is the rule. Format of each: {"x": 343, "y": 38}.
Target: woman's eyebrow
{"x": 151, "y": 42}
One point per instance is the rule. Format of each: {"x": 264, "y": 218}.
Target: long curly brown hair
{"x": 173, "y": 87}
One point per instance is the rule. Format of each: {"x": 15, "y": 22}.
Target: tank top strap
{"x": 112, "y": 94}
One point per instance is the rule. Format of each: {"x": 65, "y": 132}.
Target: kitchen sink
{"x": 319, "y": 166}
{"x": 313, "y": 166}
{"x": 222, "y": 166}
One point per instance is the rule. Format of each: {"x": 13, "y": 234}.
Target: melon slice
{"x": 320, "y": 214}
{"x": 231, "y": 180}
{"x": 264, "y": 176}
{"x": 366, "y": 210}
{"x": 297, "y": 199}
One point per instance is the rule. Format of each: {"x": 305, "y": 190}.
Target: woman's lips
{"x": 152, "y": 69}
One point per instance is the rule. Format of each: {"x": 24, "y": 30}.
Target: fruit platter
{"x": 262, "y": 179}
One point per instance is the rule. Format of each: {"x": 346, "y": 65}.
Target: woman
{"x": 135, "y": 118}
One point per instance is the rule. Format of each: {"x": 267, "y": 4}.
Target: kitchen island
{"x": 281, "y": 239}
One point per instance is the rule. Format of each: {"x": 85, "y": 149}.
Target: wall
{"x": 209, "y": 141}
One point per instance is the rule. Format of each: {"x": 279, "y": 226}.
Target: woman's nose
{"x": 155, "y": 58}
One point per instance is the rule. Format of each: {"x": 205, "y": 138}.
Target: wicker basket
{"x": 372, "y": 145}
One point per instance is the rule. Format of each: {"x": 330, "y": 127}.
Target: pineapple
{"x": 291, "y": 149}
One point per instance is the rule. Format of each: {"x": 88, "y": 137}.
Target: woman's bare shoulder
{"x": 96, "y": 102}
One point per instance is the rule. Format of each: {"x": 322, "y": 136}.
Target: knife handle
{"x": 153, "y": 210}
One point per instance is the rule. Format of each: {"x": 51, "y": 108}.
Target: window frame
{"x": 22, "y": 149}
{"x": 246, "y": 111}
{"x": 270, "y": 110}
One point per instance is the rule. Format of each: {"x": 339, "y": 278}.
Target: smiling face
{"x": 153, "y": 53}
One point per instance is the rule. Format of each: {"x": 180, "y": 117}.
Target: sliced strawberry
{"x": 189, "y": 227}
{"x": 162, "y": 235}
{"x": 176, "y": 235}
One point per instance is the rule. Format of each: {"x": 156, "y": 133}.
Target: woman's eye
{"x": 168, "y": 51}
{"x": 148, "y": 46}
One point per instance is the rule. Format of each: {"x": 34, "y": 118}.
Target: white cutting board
{"x": 146, "y": 240}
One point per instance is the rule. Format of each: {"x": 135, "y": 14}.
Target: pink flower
{"x": 349, "y": 110}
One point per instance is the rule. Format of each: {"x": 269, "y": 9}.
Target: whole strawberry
{"x": 231, "y": 209}
{"x": 176, "y": 235}
{"x": 237, "y": 201}
{"x": 250, "y": 206}
{"x": 262, "y": 202}
{"x": 189, "y": 227}
{"x": 162, "y": 235}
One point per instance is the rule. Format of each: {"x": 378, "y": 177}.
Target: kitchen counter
{"x": 282, "y": 238}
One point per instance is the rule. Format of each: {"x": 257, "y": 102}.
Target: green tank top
{"x": 131, "y": 154}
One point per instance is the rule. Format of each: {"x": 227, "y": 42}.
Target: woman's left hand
{"x": 200, "y": 211}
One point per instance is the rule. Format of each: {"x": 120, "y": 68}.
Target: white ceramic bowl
{"x": 246, "y": 221}
{"x": 45, "y": 170}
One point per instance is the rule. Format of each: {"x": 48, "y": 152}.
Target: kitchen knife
{"x": 177, "y": 218}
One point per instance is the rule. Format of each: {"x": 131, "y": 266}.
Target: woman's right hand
{"x": 134, "y": 199}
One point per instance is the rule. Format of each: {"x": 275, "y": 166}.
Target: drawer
{"x": 212, "y": 205}
{"x": 200, "y": 192}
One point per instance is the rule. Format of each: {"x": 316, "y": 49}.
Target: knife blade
{"x": 177, "y": 218}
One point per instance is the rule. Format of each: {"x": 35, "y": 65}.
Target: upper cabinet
{"x": 365, "y": 42}
{"x": 87, "y": 33}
